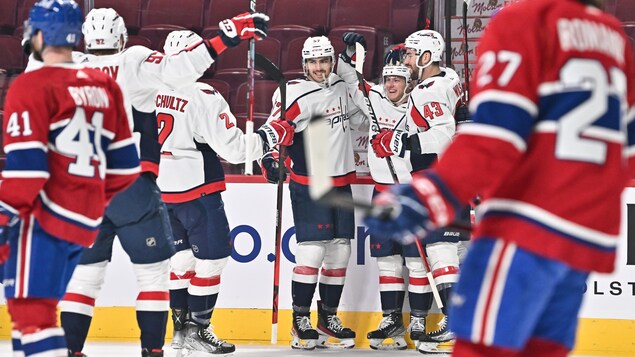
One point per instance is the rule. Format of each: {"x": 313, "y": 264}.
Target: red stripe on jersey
{"x": 79, "y": 298}
{"x": 193, "y": 193}
{"x": 154, "y": 295}
{"x": 304, "y": 270}
{"x": 293, "y": 111}
{"x": 341, "y": 272}
{"x": 211, "y": 281}
{"x": 148, "y": 166}
{"x": 418, "y": 118}
{"x": 188, "y": 275}
{"x": 390, "y": 280}
{"x": 24, "y": 258}
{"x": 338, "y": 181}
{"x": 490, "y": 291}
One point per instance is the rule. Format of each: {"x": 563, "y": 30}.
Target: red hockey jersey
{"x": 69, "y": 149}
{"x": 553, "y": 128}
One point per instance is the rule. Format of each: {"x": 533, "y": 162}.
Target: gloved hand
{"x": 408, "y": 218}
{"x": 395, "y": 54}
{"x": 389, "y": 142}
{"x": 462, "y": 115}
{"x": 244, "y": 26}
{"x": 270, "y": 165}
{"x": 277, "y": 132}
{"x": 350, "y": 39}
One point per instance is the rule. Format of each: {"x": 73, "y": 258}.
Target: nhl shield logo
{"x": 151, "y": 242}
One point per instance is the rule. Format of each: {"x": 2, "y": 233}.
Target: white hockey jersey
{"x": 388, "y": 116}
{"x": 195, "y": 127}
{"x": 308, "y": 100}
{"x": 430, "y": 116}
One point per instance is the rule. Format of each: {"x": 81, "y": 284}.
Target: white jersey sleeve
{"x": 216, "y": 126}
{"x": 430, "y": 112}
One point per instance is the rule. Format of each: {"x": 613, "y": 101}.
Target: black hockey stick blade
{"x": 269, "y": 68}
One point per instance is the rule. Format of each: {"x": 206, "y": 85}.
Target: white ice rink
{"x": 102, "y": 349}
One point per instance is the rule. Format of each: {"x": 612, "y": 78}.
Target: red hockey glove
{"x": 277, "y": 132}
{"x": 270, "y": 165}
{"x": 389, "y": 142}
{"x": 242, "y": 27}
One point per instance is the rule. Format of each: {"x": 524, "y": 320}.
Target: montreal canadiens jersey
{"x": 195, "y": 127}
{"x": 552, "y": 132}
{"x": 333, "y": 103}
{"x": 69, "y": 149}
{"x": 430, "y": 116}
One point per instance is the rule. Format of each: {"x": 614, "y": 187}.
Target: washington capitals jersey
{"x": 140, "y": 72}
{"x": 430, "y": 116}
{"x": 195, "y": 127}
{"x": 69, "y": 149}
{"x": 308, "y": 100}
{"x": 553, "y": 130}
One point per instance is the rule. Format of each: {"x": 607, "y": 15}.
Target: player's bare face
{"x": 395, "y": 86}
{"x": 410, "y": 60}
{"x": 318, "y": 69}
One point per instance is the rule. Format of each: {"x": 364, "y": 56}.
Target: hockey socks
{"x": 76, "y": 328}
{"x": 392, "y": 301}
{"x": 201, "y": 308}
{"x": 302, "y": 293}
{"x": 330, "y": 294}
{"x": 152, "y": 325}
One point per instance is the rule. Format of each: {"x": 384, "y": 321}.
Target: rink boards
{"x": 607, "y": 324}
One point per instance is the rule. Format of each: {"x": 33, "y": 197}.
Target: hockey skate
{"x": 152, "y": 353}
{"x": 76, "y": 354}
{"x": 203, "y": 342}
{"x": 304, "y": 337}
{"x": 439, "y": 342}
{"x": 181, "y": 324}
{"x": 390, "y": 334}
{"x": 417, "y": 329}
{"x": 331, "y": 332}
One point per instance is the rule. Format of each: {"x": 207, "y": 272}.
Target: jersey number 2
{"x": 166, "y": 125}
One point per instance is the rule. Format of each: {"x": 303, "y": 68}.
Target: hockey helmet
{"x": 426, "y": 41}
{"x": 318, "y": 46}
{"x": 103, "y": 30}
{"x": 179, "y": 40}
{"x": 60, "y": 22}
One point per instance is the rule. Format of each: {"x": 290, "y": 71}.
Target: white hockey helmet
{"x": 179, "y": 40}
{"x": 104, "y": 29}
{"x": 317, "y": 46}
{"x": 426, "y": 41}
{"x": 398, "y": 70}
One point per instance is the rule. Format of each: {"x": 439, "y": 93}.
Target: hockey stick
{"x": 359, "y": 65}
{"x": 466, "y": 49}
{"x": 274, "y": 73}
{"x": 249, "y": 125}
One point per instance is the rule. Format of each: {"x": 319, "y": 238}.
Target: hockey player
{"x": 138, "y": 216}
{"x": 430, "y": 126}
{"x": 69, "y": 151}
{"x": 551, "y": 153}
{"x": 196, "y": 126}
{"x": 323, "y": 233}
{"x": 389, "y": 101}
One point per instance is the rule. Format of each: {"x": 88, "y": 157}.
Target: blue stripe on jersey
{"x": 501, "y": 213}
{"x": 27, "y": 160}
{"x": 506, "y": 116}
{"x": 47, "y": 344}
{"x": 122, "y": 158}
{"x": 66, "y": 219}
{"x": 630, "y": 131}
{"x": 555, "y": 106}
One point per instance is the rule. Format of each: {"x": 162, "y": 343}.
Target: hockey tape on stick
{"x": 249, "y": 125}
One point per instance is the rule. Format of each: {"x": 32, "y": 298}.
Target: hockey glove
{"x": 242, "y": 27}
{"x": 408, "y": 219}
{"x": 270, "y": 166}
{"x": 4, "y": 237}
{"x": 389, "y": 142}
{"x": 462, "y": 115}
{"x": 395, "y": 54}
{"x": 277, "y": 132}
{"x": 350, "y": 39}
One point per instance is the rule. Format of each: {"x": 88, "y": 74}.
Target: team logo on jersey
{"x": 151, "y": 242}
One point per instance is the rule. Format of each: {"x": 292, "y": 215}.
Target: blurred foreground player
{"x": 69, "y": 151}
{"x": 550, "y": 149}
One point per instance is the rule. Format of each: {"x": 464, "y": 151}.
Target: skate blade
{"x": 307, "y": 345}
{"x": 436, "y": 348}
{"x": 390, "y": 344}
{"x": 325, "y": 341}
